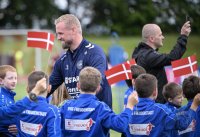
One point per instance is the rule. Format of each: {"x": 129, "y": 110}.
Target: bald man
{"x": 146, "y": 54}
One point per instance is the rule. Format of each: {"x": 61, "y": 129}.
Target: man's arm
{"x": 56, "y": 78}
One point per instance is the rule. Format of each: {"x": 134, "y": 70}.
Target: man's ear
{"x": 78, "y": 86}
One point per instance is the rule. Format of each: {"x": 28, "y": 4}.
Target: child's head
{"x": 89, "y": 79}
{"x": 191, "y": 87}
{"x": 146, "y": 86}
{"x": 173, "y": 93}
{"x": 136, "y": 70}
{"x": 8, "y": 77}
{"x": 33, "y": 78}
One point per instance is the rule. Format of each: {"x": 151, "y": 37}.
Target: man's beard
{"x": 67, "y": 44}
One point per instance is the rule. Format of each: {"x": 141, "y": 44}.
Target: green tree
{"x": 128, "y": 16}
{"x": 27, "y": 13}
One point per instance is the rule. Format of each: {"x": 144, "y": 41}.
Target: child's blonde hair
{"x": 4, "y": 69}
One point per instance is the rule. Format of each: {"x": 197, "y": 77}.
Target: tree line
{"x": 123, "y": 16}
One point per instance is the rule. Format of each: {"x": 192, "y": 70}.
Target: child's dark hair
{"x": 171, "y": 90}
{"x": 34, "y": 77}
{"x": 145, "y": 84}
{"x": 137, "y": 70}
{"x": 191, "y": 87}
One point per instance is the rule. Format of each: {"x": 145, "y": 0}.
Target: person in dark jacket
{"x": 147, "y": 55}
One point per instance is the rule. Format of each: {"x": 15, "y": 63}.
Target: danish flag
{"x": 118, "y": 73}
{"x": 184, "y": 66}
{"x": 43, "y": 40}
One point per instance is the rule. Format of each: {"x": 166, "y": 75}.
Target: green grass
{"x": 128, "y": 43}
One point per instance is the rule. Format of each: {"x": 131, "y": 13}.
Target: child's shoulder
{"x": 162, "y": 107}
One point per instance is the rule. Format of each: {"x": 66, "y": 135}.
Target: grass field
{"x": 9, "y": 46}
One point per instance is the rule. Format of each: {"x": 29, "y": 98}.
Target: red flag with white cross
{"x": 184, "y": 66}
{"x": 43, "y": 40}
{"x": 118, "y": 73}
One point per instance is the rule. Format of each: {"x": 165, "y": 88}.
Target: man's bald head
{"x": 149, "y": 30}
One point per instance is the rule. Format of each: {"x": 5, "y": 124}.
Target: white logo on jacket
{"x": 140, "y": 129}
{"x": 79, "y": 64}
{"x": 30, "y": 128}
{"x": 190, "y": 128}
{"x": 89, "y": 46}
{"x": 78, "y": 124}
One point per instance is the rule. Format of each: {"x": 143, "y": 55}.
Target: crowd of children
{"x": 89, "y": 117}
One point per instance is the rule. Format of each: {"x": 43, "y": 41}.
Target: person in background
{"x": 79, "y": 54}
{"x": 8, "y": 82}
{"x": 89, "y": 117}
{"x": 146, "y": 53}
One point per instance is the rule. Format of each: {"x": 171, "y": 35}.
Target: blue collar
{"x": 8, "y": 92}
{"x": 91, "y": 96}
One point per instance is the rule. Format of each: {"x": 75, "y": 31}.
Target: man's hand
{"x": 186, "y": 29}
{"x": 13, "y": 129}
{"x": 196, "y": 102}
{"x": 132, "y": 100}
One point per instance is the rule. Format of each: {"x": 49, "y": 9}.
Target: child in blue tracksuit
{"x": 154, "y": 119}
{"x": 39, "y": 118}
{"x": 89, "y": 117}
{"x": 8, "y": 112}
{"x": 191, "y": 87}
{"x": 136, "y": 70}
{"x": 173, "y": 94}
{"x": 8, "y": 82}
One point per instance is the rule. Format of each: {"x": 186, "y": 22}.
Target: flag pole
{"x": 38, "y": 63}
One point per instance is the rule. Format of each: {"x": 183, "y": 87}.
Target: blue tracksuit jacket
{"x": 173, "y": 108}
{"x": 155, "y": 120}
{"x": 6, "y": 99}
{"x": 193, "y": 130}
{"x": 89, "y": 117}
{"x": 38, "y": 119}
{"x": 68, "y": 67}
